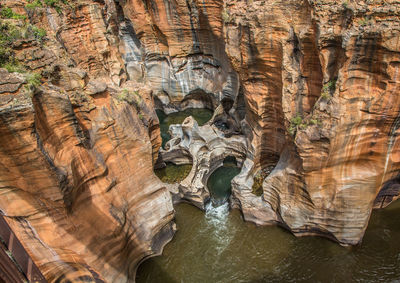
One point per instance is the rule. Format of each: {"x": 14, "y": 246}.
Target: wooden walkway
{"x": 15, "y": 263}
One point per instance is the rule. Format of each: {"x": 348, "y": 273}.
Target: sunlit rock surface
{"x": 309, "y": 87}
{"x": 334, "y": 66}
{"x": 74, "y": 153}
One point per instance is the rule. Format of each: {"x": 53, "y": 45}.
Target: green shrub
{"x": 32, "y": 81}
{"x": 56, "y": 4}
{"x": 5, "y": 54}
{"x": 363, "y": 21}
{"x": 51, "y": 3}
{"x": 294, "y": 123}
{"x": 225, "y": 16}
{"x": 39, "y": 33}
{"x": 328, "y": 89}
{"x": 303, "y": 126}
{"x": 315, "y": 122}
{"x": 296, "y": 120}
{"x": 9, "y": 33}
{"x": 130, "y": 97}
{"x": 8, "y": 13}
{"x": 34, "y": 4}
{"x": 13, "y": 66}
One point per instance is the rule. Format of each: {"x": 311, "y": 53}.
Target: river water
{"x": 218, "y": 246}
{"x": 202, "y": 116}
{"x": 175, "y": 173}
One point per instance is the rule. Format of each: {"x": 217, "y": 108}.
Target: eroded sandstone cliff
{"x": 77, "y": 152}
{"x": 324, "y": 106}
{"x": 309, "y": 89}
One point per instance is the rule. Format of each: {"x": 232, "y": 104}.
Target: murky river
{"x": 218, "y": 246}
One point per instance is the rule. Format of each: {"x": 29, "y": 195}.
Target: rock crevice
{"x": 304, "y": 90}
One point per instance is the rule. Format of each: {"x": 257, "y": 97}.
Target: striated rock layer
{"x": 321, "y": 86}
{"x": 310, "y": 88}
{"x": 74, "y": 151}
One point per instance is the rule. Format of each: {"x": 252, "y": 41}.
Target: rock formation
{"x": 75, "y": 150}
{"x": 310, "y": 88}
{"x": 207, "y": 147}
{"x": 320, "y": 81}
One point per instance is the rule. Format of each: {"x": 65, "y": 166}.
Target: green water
{"x": 218, "y": 246}
{"x": 176, "y": 173}
{"x": 219, "y": 183}
{"x": 173, "y": 173}
{"x": 202, "y": 116}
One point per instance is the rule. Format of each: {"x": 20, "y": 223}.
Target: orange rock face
{"x": 310, "y": 87}
{"x": 77, "y": 182}
{"x": 78, "y": 186}
{"x": 320, "y": 82}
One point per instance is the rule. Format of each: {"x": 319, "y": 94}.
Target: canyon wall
{"x": 77, "y": 149}
{"x": 321, "y": 85}
{"x": 308, "y": 90}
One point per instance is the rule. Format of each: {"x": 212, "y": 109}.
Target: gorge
{"x": 129, "y": 124}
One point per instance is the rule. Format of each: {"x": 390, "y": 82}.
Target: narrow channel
{"x": 218, "y": 246}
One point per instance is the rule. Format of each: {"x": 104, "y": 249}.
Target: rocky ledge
{"x": 304, "y": 93}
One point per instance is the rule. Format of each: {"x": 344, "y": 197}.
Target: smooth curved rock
{"x": 310, "y": 87}
{"x": 208, "y": 147}
{"x": 319, "y": 84}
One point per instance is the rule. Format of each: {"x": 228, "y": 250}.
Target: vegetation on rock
{"x": 298, "y": 122}
{"x": 328, "y": 89}
{"x": 56, "y": 4}
{"x": 9, "y": 34}
{"x": 132, "y": 97}
{"x": 225, "y": 16}
{"x": 363, "y": 21}
{"x": 8, "y": 13}
{"x": 32, "y": 81}
{"x": 294, "y": 123}
{"x": 259, "y": 178}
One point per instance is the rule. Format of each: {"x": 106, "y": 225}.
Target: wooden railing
{"x": 15, "y": 263}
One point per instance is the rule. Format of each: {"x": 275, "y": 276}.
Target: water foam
{"x": 217, "y": 225}
{"x": 217, "y": 213}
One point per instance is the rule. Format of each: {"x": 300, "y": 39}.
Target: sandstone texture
{"x": 308, "y": 88}
{"x": 321, "y": 86}
{"x": 74, "y": 151}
